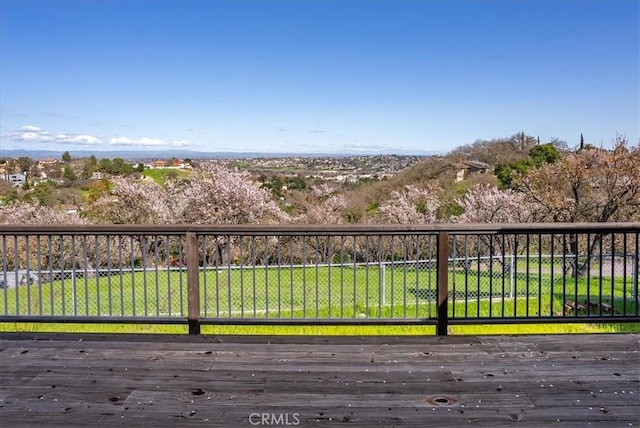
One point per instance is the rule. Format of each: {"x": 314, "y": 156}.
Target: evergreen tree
{"x": 69, "y": 174}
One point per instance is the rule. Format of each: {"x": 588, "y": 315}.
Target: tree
{"x": 130, "y": 201}
{"x": 589, "y": 185}
{"x": 594, "y": 185}
{"x": 508, "y": 172}
{"x": 116, "y": 166}
{"x": 55, "y": 173}
{"x": 67, "y": 196}
{"x": 90, "y": 166}
{"x": 275, "y": 186}
{"x": 493, "y": 152}
{"x": 28, "y": 250}
{"x": 97, "y": 189}
{"x": 24, "y": 163}
{"x": 87, "y": 172}
{"x": 559, "y": 144}
{"x": 413, "y": 205}
{"x": 105, "y": 165}
{"x": 66, "y": 157}
{"x": 25, "y": 213}
{"x": 68, "y": 173}
{"x": 121, "y": 167}
{"x": 545, "y": 153}
{"x": 296, "y": 183}
{"x": 488, "y": 204}
{"x": 324, "y": 206}
{"x": 215, "y": 195}
{"x": 42, "y": 194}
{"x": 522, "y": 142}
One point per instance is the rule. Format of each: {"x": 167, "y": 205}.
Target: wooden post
{"x": 442, "y": 279}
{"x": 193, "y": 284}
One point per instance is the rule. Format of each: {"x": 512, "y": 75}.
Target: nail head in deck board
{"x": 318, "y": 376}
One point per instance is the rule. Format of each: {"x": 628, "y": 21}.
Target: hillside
{"x": 442, "y": 171}
{"x": 299, "y": 185}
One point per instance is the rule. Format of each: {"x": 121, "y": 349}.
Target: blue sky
{"x": 329, "y": 76}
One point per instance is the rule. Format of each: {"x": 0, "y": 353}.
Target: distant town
{"x": 342, "y": 169}
{"x": 69, "y": 181}
{"x": 21, "y": 170}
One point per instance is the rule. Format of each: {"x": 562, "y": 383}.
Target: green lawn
{"x": 159, "y": 175}
{"x": 319, "y": 292}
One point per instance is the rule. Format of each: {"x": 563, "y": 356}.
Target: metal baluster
{"x": 39, "y": 257}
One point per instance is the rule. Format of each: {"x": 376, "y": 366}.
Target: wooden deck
{"x": 158, "y": 381}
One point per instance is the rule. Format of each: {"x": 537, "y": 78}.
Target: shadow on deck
{"x": 116, "y": 380}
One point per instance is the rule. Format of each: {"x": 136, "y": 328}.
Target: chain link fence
{"x": 126, "y": 276}
{"x": 142, "y": 275}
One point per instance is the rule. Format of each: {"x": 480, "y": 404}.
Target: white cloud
{"x": 30, "y": 128}
{"x": 122, "y": 141}
{"x": 33, "y": 135}
{"x": 142, "y": 142}
{"x": 28, "y": 134}
{"x": 85, "y": 139}
{"x": 145, "y": 141}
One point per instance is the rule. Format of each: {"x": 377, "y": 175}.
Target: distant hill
{"x": 142, "y": 155}
{"x": 124, "y": 154}
{"x": 436, "y": 169}
{"x": 441, "y": 170}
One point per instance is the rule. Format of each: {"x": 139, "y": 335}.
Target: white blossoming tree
{"x": 413, "y": 205}
{"x": 132, "y": 201}
{"x": 322, "y": 206}
{"x": 47, "y": 251}
{"x": 485, "y": 203}
{"x": 589, "y": 185}
{"x": 215, "y": 195}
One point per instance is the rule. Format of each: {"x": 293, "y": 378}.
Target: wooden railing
{"x": 317, "y": 274}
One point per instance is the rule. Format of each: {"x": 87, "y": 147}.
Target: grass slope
{"x": 319, "y": 292}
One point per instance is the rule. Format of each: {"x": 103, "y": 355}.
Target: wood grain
{"x": 163, "y": 380}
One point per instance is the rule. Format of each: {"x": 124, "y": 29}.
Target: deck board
{"x": 110, "y": 380}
